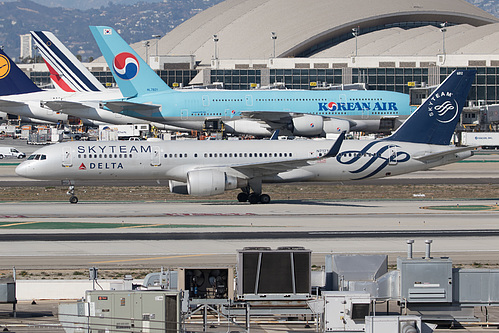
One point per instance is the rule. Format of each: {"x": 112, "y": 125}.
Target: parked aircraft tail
{"x": 72, "y": 75}
{"x": 13, "y": 81}
{"x": 435, "y": 120}
{"x": 133, "y": 75}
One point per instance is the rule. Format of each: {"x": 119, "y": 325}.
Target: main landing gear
{"x": 253, "y": 197}
{"x": 73, "y": 198}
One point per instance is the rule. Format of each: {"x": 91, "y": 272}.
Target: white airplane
{"x": 70, "y": 76}
{"x": 204, "y": 168}
{"x": 20, "y": 96}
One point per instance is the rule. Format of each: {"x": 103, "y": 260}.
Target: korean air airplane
{"x": 70, "y": 76}
{"x": 204, "y": 168}
{"x": 255, "y": 112}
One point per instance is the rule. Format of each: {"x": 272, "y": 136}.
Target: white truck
{"x": 6, "y": 152}
{"x": 487, "y": 140}
{"x": 123, "y": 132}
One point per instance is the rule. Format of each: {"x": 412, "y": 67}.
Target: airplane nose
{"x": 22, "y": 170}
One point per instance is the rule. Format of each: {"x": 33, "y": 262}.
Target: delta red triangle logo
{"x": 83, "y": 167}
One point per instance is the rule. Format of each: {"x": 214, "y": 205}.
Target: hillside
{"x": 134, "y": 22}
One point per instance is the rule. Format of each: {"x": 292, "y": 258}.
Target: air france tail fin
{"x": 435, "y": 120}
{"x": 133, "y": 75}
{"x": 13, "y": 81}
{"x": 70, "y": 70}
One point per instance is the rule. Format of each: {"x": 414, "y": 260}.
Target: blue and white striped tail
{"x": 69, "y": 69}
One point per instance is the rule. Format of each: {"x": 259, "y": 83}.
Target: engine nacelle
{"x": 245, "y": 126}
{"x": 203, "y": 183}
{"x": 178, "y": 187}
{"x": 336, "y": 126}
{"x": 308, "y": 125}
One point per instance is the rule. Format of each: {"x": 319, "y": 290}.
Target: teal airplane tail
{"x": 132, "y": 74}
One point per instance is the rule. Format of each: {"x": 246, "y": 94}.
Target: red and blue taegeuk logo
{"x": 126, "y": 66}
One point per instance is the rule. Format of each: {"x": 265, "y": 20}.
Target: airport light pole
{"x": 274, "y": 38}
{"x": 158, "y": 37}
{"x": 443, "y": 30}
{"x": 215, "y": 40}
{"x": 355, "y": 33}
{"x": 146, "y": 45}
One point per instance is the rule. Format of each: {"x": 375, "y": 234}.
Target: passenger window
{"x": 291, "y": 154}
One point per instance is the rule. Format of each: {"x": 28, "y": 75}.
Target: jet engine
{"x": 202, "y": 183}
{"x": 178, "y": 187}
{"x": 313, "y": 125}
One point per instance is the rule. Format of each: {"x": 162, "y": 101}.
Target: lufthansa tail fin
{"x": 435, "y": 120}
{"x": 133, "y": 75}
{"x": 13, "y": 81}
{"x": 70, "y": 71}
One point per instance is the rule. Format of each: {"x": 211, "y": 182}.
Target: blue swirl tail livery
{"x": 133, "y": 75}
{"x": 72, "y": 75}
{"x": 13, "y": 81}
{"x": 435, "y": 120}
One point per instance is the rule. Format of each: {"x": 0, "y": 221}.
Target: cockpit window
{"x": 37, "y": 157}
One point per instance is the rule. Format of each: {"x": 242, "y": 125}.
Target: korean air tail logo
{"x": 4, "y": 66}
{"x": 126, "y": 66}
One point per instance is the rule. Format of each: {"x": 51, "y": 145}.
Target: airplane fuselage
{"x": 172, "y": 160}
{"x": 190, "y": 108}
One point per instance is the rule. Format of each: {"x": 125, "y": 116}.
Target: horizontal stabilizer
{"x": 432, "y": 157}
{"x": 10, "y": 104}
{"x": 62, "y": 105}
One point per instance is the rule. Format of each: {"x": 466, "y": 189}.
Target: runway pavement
{"x": 153, "y": 234}
{"x": 178, "y": 234}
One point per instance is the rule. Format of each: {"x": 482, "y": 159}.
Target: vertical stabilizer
{"x": 133, "y": 75}
{"x": 435, "y": 120}
{"x": 13, "y": 81}
{"x": 70, "y": 70}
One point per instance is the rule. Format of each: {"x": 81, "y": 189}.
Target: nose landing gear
{"x": 71, "y": 191}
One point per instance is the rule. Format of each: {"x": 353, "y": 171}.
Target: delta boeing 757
{"x": 204, "y": 168}
{"x": 255, "y": 112}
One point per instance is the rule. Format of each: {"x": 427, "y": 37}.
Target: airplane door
{"x": 184, "y": 114}
{"x": 249, "y": 100}
{"x": 393, "y": 155}
{"x": 206, "y": 100}
{"x": 67, "y": 157}
{"x": 155, "y": 156}
{"x": 343, "y": 99}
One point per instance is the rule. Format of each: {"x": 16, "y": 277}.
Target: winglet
{"x": 275, "y": 135}
{"x": 335, "y": 149}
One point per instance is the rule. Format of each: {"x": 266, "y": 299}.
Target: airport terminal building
{"x": 393, "y": 46}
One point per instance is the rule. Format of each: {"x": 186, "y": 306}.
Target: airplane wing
{"x": 10, "y": 104}
{"x": 275, "y": 119}
{"x": 147, "y": 110}
{"x": 272, "y": 168}
{"x": 432, "y": 157}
